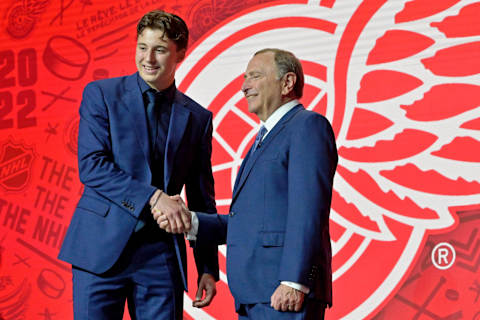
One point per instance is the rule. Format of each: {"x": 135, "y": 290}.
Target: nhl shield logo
{"x": 15, "y": 165}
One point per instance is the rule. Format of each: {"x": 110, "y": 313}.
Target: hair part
{"x": 172, "y": 26}
{"x": 287, "y": 62}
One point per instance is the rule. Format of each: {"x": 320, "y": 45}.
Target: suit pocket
{"x": 272, "y": 239}
{"x": 93, "y": 205}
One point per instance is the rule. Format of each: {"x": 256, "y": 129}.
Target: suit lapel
{"x": 240, "y": 170}
{"x": 251, "y": 158}
{"x": 133, "y": 101}
{"x": 176, "y": 129}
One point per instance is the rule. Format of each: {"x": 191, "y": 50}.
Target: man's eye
{"x": 253, "y": 76}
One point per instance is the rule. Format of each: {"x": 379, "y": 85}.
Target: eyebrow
{"x": 250, "y": 73}
{"x": 155, "y": 47}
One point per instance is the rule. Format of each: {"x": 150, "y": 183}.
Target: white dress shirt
{"x": 277, "y": 115}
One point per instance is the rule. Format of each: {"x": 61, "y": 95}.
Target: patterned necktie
{"x": 258, "y": 139}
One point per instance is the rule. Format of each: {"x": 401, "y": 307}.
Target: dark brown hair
{"x": 172, "y": 25}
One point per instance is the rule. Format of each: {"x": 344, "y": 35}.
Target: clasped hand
{"x": 173, "y": 216}
{"x": 170, "y": 213}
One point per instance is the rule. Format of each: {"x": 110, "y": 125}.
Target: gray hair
{"x": 287, "y": 62}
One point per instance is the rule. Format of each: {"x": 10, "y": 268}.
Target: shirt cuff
{"x": 297, "y": 286}
{"x": 192, "y": 233}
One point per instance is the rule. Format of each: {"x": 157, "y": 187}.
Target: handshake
{"x": 170, "y": 212}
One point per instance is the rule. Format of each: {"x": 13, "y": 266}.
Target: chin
{"x": 252, "y": 109}
{"x": 149, "y": 77}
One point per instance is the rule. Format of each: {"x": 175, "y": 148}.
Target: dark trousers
{"x": 146, "y": 276}
{"x": 311, "y": 310}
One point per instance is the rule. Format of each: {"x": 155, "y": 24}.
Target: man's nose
{"x": 245, "y": 86}
{"x": 151, "y": 55}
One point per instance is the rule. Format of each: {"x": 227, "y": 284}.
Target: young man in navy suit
{"x": 277, "y": 231}
{"x": 140, "y": 139}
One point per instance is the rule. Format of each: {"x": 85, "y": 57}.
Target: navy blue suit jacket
{"x": 114, "y": 165}
{"x": 278, "y": 226}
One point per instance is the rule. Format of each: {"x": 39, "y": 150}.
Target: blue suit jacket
{"x": 278, "y": 226}
{"x": 113, "y": 160}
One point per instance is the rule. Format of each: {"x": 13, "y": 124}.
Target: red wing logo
{"x": 23, "y": 15}
{"x": 404, "y": 108}
{"x": 15, "y": 166}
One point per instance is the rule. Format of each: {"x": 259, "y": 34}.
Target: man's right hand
{"x": 171, "y": 210}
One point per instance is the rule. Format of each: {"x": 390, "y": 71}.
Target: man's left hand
{"x": 286, "y": 298}
{"x": 207, "y": 284}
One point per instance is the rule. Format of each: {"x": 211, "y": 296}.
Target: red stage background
{"x": 398, "y": 79}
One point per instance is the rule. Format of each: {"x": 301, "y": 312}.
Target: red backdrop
{"x": 398, "y": 79}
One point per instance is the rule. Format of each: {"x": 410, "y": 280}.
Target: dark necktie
{"x": 258, "y": 138}
{"x": 152, "y": 117}
{"x": 157, "y": 129}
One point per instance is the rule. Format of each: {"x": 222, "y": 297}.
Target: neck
{"x": 269, "y": 112}
{"x": 161, "y": 86}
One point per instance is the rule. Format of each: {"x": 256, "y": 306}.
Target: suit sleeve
{"x": 97, "y": 169}
{"x": 212, "y": 228}
{"x": 201, "y": 197}
{"x": 311, "y": 167}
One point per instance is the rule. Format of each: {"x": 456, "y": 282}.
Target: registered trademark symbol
{"x": 443, "y": 255}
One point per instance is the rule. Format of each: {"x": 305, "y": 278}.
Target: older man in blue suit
{"x": 140, "y": 139}
{"x": 277, "y": 231}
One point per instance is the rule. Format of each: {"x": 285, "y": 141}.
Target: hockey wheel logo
{"x": 375, "y": 75}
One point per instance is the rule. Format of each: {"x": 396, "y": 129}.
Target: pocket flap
{"x": 273, "y": 239}
{"x": 94, "y": 205}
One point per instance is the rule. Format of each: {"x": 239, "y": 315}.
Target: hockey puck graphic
{"x": 66, "y": 57}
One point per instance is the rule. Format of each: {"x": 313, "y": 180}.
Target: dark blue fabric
{"x": 152, "y": 120}
{"x": 158, "y": 109}
{"x": 115, "y": 165}
{"x": 158, "y": 116}
{"x": 278, "y": 225}
{"x": 146, "y": 276}
{"x": 311, "y": 310}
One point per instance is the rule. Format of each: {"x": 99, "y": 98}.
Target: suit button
{"x": 231, "y": 214}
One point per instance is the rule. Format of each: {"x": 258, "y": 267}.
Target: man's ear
{"x": 181, "y": 55}
{"x": 288, "y": 82}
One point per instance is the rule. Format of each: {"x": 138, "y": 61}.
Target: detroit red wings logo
{"x": 23, "y": 15}
{"x": 399, "y": 82}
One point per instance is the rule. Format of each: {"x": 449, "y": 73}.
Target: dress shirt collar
{"x": 168, "y": 92}
{"x": 277, "y": 115}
